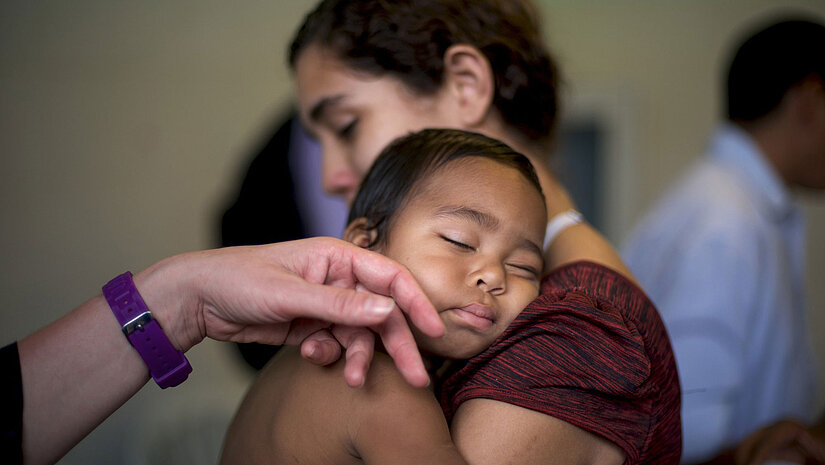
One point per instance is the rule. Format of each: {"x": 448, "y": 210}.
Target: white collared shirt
{"x": 722, "y": 257}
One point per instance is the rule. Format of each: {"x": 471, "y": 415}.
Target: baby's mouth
{"x": 476, "y": 316}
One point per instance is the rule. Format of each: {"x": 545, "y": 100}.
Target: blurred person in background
{"x": 722, "y": 255}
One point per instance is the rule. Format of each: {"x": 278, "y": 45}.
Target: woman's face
{"x": 354, "y": 115}
{"x": 472, "y": 239}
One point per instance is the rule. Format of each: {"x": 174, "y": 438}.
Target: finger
{"x": 321, "y": 348}
{"x": 360, "y": 345}
{"x": 401, "y": 346}
{"x": 744, "y": 453}
{"x": 767, "y": 442}
{"x": 758, "y": 449}
{"x": 332, "y": 304}
{"x": 341, "y": 265}
{"x": 384, "y": 276}
{"x": 812, "y": 448}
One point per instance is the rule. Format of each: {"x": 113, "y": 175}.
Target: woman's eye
{"x": 346, "y": 131}
{"x": 458, "y": 244}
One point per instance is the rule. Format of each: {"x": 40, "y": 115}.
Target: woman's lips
{"x": 476, "y": 316}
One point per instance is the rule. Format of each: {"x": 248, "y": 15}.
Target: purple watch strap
{"x": 167, "y": 365}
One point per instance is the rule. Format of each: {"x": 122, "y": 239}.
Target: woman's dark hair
{"x": 406, "y": 162}
{"x": 407, "y": 39}
{"x": 769, "y": 63}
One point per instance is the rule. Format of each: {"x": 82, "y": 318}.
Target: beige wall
{"x": 124, "y": 125}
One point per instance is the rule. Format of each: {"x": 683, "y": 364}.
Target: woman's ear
{"x": 468, "y": 78}
{"x": 358, "y": 234}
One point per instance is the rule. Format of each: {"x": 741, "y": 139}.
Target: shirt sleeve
{"x": 12, "y": 395}
{"x": 584, "y": 353}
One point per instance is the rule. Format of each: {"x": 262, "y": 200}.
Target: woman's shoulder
{"x": 606, "y": 317}
{"x": 589, "y": 286}
{"x": 591, "y": 329}
{"x": 592, "y": 351}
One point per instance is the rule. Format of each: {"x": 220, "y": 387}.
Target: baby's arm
{"x": 492, "y": 432}
{"x": 400, "y": 424}
{"x": 298, "y": 410}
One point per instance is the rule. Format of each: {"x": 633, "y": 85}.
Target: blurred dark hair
{"x": 769, "y": 62}
{"x": 407, "y": 39}
{"x": 409, "y": 160}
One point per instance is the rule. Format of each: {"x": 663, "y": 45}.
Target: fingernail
{"x": 380, "y": 306}
{"x": 311, "y": 350}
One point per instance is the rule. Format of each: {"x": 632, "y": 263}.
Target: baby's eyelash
{"x": 528, "y": 269}
{"x": 457, "y": 243}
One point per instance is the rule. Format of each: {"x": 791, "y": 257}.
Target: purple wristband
{"x": 167, "y": 365}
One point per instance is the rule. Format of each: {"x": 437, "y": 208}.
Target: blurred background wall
{"x": 125, "y": 127}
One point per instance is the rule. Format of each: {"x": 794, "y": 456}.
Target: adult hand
{"x": 283, "y": 293}
{"x": 324, "y": 347}
{"x": 273, "y": 294}
{"x": 786, "y": 440}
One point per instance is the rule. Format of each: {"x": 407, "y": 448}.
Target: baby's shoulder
{"x": 289, "y": 397}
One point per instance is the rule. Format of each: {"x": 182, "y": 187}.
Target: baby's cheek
{"x": 437, "y": 281}
{"x": 527, "y": 292}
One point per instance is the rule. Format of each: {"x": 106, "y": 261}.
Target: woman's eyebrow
{"x": 316, "y": 113}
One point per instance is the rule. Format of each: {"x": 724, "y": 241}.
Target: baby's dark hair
{"x": 407, "y": 39}
{"x": 406, "y": 162}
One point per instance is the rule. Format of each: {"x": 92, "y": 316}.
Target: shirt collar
{"x": 734, "y": 147}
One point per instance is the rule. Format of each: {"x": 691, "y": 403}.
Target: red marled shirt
{"x": 591, "y": 350}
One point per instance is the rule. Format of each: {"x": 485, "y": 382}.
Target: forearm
{"x": 399, "y": 424}
{"x": 492, "y": 432}
{"x": 577, "y": 242}
{"x": 583, "y": 242}
{"x": 80, "y": 369}
{"x": 76, "y": 372}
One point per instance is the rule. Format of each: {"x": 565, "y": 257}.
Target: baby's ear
{"x": 358, "y": 234}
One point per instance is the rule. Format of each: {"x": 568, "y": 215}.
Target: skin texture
{"x": 792, "y": 136}
{"x": 786, "y": 440}
{"x": 472, "y": 238}
{"x": 300, "y": 413}
{"x": 275, "y": 294}
{"x": 354, "y": 116}
{"x": 530, "y": 437}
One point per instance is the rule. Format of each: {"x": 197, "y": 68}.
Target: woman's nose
{"x": 489, "y": 276}
{"x": 338, "y": 176}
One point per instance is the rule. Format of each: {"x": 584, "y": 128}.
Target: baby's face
{"x": 472, "y": 238}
